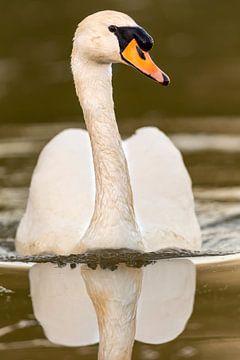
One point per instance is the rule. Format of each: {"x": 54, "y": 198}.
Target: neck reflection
{"x": 62, "y": 305}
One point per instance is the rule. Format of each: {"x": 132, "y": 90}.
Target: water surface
{"x": 213, "y": 330}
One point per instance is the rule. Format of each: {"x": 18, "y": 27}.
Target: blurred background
{"x": 196, "y": 43}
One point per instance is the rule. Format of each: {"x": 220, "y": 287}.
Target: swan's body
{"x": 63, "y": 190}
{"x": 68, "y": 212}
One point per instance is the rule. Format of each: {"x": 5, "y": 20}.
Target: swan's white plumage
{"x": 61, "y": 198}
{"x": 162, "y": 191}
{"x": 64, "y": 215}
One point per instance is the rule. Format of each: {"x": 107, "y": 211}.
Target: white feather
{"x": 162, "y": 191}
{"x": 61, "y": 196}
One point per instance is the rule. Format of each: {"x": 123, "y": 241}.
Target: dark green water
{"x": 211, "y": 333}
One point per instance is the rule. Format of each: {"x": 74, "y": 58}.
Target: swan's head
{"x": 112, "y": 37}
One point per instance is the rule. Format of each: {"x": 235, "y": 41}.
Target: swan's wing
{"x": 61, "y": 197}
{"x": 166, "y": 300}
{"x": 162, "y": 191}
{"x": 62, "y": 306}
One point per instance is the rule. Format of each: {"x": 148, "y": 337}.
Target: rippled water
{"x": 211, "y": 333}
{"x": 218, "y": 206}
{"x": 213, "y": 330}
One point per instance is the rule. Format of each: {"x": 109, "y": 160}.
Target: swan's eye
{"x": 112, "y": 28}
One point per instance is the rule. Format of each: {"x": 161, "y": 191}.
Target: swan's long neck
{"x": 114, "y": 294}
{"x": 113, "y": 221}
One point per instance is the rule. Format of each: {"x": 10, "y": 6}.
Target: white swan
{"x": 68, "y": 212}
{"x": 155, "y": 210}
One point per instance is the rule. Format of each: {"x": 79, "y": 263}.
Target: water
{"x": 217, "y": 205}
{"x": 212, "y": 331}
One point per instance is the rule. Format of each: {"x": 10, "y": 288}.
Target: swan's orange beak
{"x": 142, "y": 61}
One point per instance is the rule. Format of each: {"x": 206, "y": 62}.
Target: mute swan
{"x": 68, "y": 212}
{"x": 156, "y": 209}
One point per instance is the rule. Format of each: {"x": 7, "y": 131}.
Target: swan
{"x": 69, "y": 209}
{"x": 140, "y": 197}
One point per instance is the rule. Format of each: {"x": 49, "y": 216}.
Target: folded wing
{"x": 162, "y": 191}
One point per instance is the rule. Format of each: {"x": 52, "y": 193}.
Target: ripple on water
{"x": 217, "y": 293}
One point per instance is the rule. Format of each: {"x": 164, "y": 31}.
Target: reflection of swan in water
{"x": 61, "y": 217}
{"x": 63, "y": 308}
{"x": 166, "y": 300}
{"x": 61, "y": 305}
